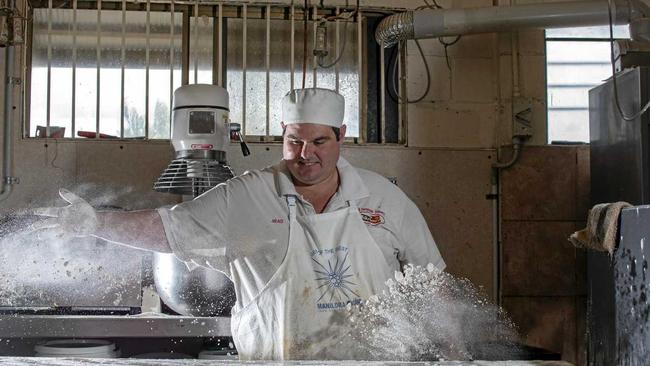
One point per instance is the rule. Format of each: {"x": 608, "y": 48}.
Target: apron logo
{"x": 335, "y": 279}
{"x": 372, "y": 217}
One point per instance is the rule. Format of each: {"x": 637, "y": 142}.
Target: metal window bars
{"x": 254, "y": 63}
{"x": 249, "y": 14}
{"x": 54, "y": 36}
{"x": 222, "y": 12}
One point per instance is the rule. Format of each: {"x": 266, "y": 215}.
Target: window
{"x": 260, "y": 68}
{"x": 577, "y": 59}
{"x": 110, "y": 68}
{"x": 108, "y": 71}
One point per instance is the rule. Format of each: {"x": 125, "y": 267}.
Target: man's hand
{"x": 78, "y": 219}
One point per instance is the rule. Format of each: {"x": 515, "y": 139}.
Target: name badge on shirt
{"x": 372, "y": 217}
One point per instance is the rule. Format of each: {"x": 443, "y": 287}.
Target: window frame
{"x": 220, "y": 13}
{"x": 547, "y": 39}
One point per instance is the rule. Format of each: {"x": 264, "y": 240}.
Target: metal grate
{"x": 192, "y": 176}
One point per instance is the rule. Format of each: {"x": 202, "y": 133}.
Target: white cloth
{"x": 313, "y": 105}
{"x": 331, "y": 261}
{"x": 241, "y": 227}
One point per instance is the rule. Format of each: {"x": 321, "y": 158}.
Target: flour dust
{"x": 429, "y": 315}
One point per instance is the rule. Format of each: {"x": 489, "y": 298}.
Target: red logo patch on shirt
{"x": 277, "y": 221}
{"x": 372, "y": 217}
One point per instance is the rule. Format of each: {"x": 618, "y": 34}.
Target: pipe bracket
{"x": 12, "y": 180}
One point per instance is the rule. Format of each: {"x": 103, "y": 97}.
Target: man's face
{"x": 311, "y": 152}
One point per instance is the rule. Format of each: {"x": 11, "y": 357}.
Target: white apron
{"x": 331, "y": 260}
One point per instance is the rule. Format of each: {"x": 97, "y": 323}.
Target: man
{"x": 301, "y": 240}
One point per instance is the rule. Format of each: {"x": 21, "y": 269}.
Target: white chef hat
{"x": 313, "y": 105}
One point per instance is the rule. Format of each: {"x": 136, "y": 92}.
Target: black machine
{"x": 617, "y": 321}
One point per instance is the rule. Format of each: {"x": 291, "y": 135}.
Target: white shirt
{"x": 241, "y": 227}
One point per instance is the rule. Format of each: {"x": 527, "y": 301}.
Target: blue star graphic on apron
{"x": 334, "y": 279}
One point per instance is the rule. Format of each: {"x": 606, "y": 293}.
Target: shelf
{"x": 39, "y": 326}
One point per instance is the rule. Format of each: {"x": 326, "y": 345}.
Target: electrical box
{"x": 522, "y": 117}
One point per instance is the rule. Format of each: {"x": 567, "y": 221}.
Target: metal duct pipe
{"x": 433, "y": 23}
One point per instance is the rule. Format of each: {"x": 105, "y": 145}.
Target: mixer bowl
{"x": 199, "y": 292}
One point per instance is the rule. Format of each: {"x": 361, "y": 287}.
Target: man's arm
{"x": 138, "y": 229}
{"x": 418, "y": 245}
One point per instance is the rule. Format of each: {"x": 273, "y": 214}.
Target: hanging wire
{"x": 446, "y": 45}
{"x": 338, "y": 58}
{"x": 393, "y": 79}
{"x": 56, "y": 155}
{"x": 395, "y": 96}
{"x": 345, "y": 18}
{"x": 613, "y": 59}
{"x": 442, "y": 41}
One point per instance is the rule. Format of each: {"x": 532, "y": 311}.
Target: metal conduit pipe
{"x": 8, "y": 180}
{"x": 496, "y": 234}
{"x": 433, "y": 23}
{"x": 7, "y": 177}
{"x": 517, "y": 144}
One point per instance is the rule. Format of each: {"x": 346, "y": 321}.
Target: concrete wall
{"x": 543, "y": 275}
{"x": 453, "y": 136}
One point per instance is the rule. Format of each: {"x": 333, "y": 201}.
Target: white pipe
{"x": 433, "y": 23}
